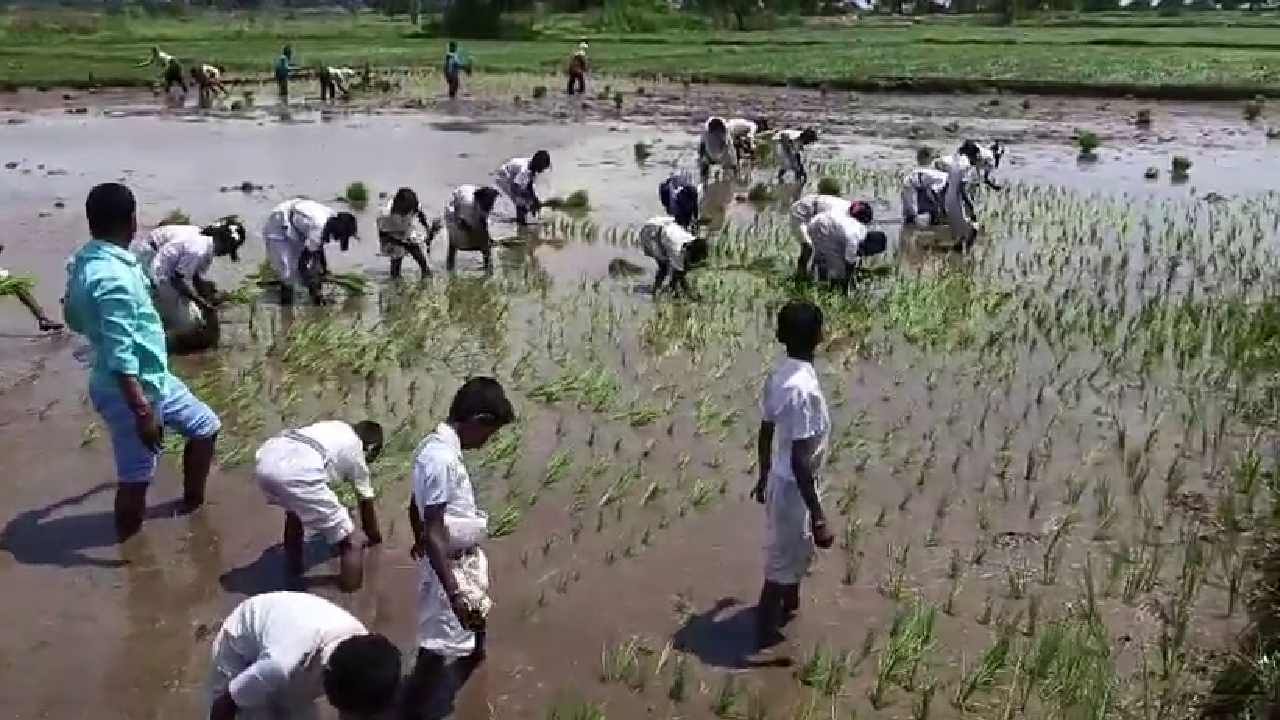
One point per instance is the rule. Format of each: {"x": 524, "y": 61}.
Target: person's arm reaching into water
{"x": 803, "y": 451}
{"x": 186, "y": 290}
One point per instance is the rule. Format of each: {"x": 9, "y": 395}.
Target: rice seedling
{"x": 621, "y": 663}
{"x": 1088, "y": 142}
{"x": 895, "y": 580}
{"x": 1051, "y": 558}
{"x": 910, "y": 640}
{"x": 830, "y": 186}
{"x": 506, "y": 521}
{"x": 825, "y": 670}
{"x": 356, "y": 195}
{"x": 678, "y": 690}
{"x": 575, "y": 710}
{"x": 557, "y": 467}
{"x": 727, "y": 701}
{"x": 982, "y": 676}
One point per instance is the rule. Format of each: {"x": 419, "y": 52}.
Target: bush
{"x": 1181, "y": 166}
{"x": 1088, "y": 142}
{"x": 1253, "y": 110}
{"x": 830, "y": 186}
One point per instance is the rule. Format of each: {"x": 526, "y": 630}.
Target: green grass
{"x": 949, "y": 51}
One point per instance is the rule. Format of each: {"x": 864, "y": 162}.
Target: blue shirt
{"x": 283, "y": 67}
{"x": 108, "y": 300}
{"x": 452, "y": 63}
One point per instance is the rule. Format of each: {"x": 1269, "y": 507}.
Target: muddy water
{"x": 125, "y": 629}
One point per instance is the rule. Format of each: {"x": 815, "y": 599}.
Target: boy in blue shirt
{"x": 108, "y": 300}
{"x": 284, "y": 64}
{"x": 453, "y": 67}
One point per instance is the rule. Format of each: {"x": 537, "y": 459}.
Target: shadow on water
{"x": 34, "y": 538}
{"x": 724, "y": 637}
{"x": 268, "y": 573}
{"x": 460, "y": 126}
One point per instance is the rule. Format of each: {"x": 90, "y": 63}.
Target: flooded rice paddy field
{"x": 1051, "y": 463}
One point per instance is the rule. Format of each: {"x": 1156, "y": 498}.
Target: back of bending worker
{"x": 840, "y": 241}
{"x": 516, "y": 179}
{"x": 674, "y": 249}
{"x": 295, "y": 233}
{"x": 715, "y": 147}
{"x": 791, "y": 144}
{"x": 802, "y": 211}
{"x": 180, "y": 256}
{"x": 208, "y": 81}
{"x": 923, "y": 190}
{"x": 466, "y": 222}
{"x": 743, "y": 133}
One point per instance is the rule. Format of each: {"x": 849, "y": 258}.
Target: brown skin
{"x": 42, "y": 321}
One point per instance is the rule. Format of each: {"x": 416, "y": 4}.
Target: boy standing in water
{"x": 453, "y": 598}
{"x": 108, "y": 300}
{"x": 578, "y": 68}
{"x": 284, "y": 64}
{"x": 453, "y": 67}
{"x": 792, "y": 443}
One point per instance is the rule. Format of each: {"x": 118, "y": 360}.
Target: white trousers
{"x": 177, "y": 312}
{"x": 789, "y": 544}
{"x": 438, "y": 628}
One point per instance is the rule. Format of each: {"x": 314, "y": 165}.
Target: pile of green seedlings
{"x": 1051, "y": 463}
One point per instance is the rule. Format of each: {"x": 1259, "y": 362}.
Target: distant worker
{"x": 334, "y": 80}
{"x": 681, "y": 198}
{"x": 20, "y": 287}
{"x": 791, "y": 144}
{"x": 743, "y": 132}
{"x": 969, "y": 165}
{"x": 578, "y": 69}
{"x": 716, "y": 148}
{"x": 176, "y": 258}
{"x": 277, "y": 652}
{"x": 284, "y": 66}
{"x": 923, "y": 190}
{"x": 454, "y": 66}
{"x": 208, "y": 82}
{"x": 296, "y": 470}
{"x": 295, "y": 233}
{"x": 804, "y": 210}
{"x": 175, "y": 86}
{"x": 158, "y": 58}
{"x": 517, "y": 179}
{"x": 466, "y": 221}
{"x": 397, "y": 235}
{"x": 674, "y": 249}
{"x": 840, "y": 241}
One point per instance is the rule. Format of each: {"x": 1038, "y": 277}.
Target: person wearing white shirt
{"x": 296, "y": 471}
{"x": 791, "y": 446}
{"x": 516, "y": 179}
{"x": 177, "y": 258}
{"x": 334, "y": 80}
{"x": 922, "y": 191}
{"x": 208, "y": 81}
{"x": 791, "y": 144}
{"x": 276, "y": 653}
{"x": 466, "y": 222}
{"x": 448, "y": 527}
{"x": 804, "y": 210}
{"x": 398, "y": 236}
{"x": 743, "y": 133}
{"x": 296, "y": 232}
{"x": 969, "y": 165}
{"x": 715, "y": 147}
{"x": 674, "y": 249}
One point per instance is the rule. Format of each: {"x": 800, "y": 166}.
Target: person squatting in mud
{"x": 398, "y": 236}
{"x": 840, "y": 242}
{"x": 278, "y": 652}
{"x": 208, "y": 82}
{"x": 466, "y": 222}
{"x": 176, "y": 258}
{"x": 296, "y": 470}
{"x": 295, "y": 233}
{"x": 791, "y": 445}
{"x": 517, "y": 179}
{"x": 448, "y": 527}
{"x": 108, "y": 300}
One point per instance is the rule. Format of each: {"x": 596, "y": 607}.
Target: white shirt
{"x": 343, "y": 457}
{"x": 400, "y": 227}
{"x": 342, "y": 74}
{"x": 811, "y": 206}
{"x": 462, "y": 206}
{"x": 923, "y": 178}
{"x": 836, "y": 238}
{"x": 960, "y": 173}
{"x": 664, "y": 240}
{"x": 794, "y": 403}
{"x": 211, "y": 73}
{"x": 284, "y": 640}
{"x": 181, "y": 250}
{"x": 440, "y": 478}
{"x": 301, "y": 222}
{"x": 741, "y": 127}
{"x": 515, "y": 172}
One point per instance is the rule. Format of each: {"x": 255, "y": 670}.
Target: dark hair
{"x": 362, "y": 675}
{"x": 716, "y": 124}
{"x": 370, "y": 434}
{"x": 969, "y": 149}
{"x": 342, "y": 225}
{"x": 228, "y": 235}
{"x": 861, "y": 211}
{"x": 110, "y": 209}
{"x": 485, "y": 197}
{"x": 696, "y": 251}
{"x": 404, "y": 202}
{"x": 685, "y": 205}
{"x": 873, "y": 244}
{"x": 923, "y": 155}
{"x": 808, "y": 135}
{"x": 286, "y": 50}
{"x": 762, "y": 123}
{"x": 800, "y": 326}
{"x": 453, "y": 45}
{"x": 482, "y": 399}
{"x": 541, "y": 161}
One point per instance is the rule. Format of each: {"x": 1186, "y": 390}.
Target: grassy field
{"x": 1161, "y": 56}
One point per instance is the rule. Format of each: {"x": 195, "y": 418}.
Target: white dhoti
{"x": 294, "y": 478}
{"x": 178, "y": 313}
{"x": 283, "y": 255}
{"x": 789, "y": 544}
{"x": 439, "y": 630}
{"x": 962, "y": 225}
{"x": 909, "y": 206}
{"x": 227, "y": 664}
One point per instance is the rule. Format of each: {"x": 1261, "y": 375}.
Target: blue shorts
{"x": 179, "y": 410}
